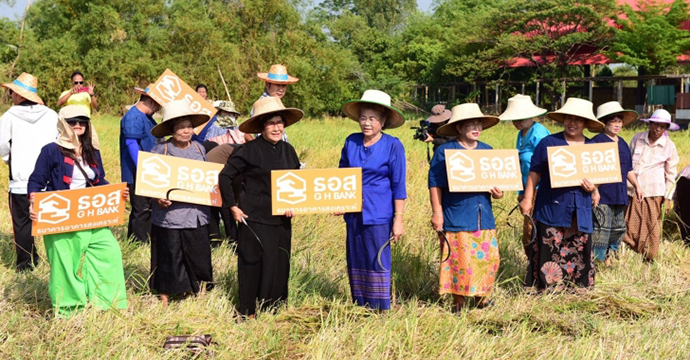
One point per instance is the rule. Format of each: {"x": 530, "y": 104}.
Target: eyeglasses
{"x": 73, "y": 122}
{"x": 477, "y": 126}
{"x": 78, "y": 82}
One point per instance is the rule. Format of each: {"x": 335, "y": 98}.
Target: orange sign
{"x": 178, "y": 179}
{"x": 82, "y": 209}
{"x": 316, "y": 191}
{"x": 599, "y": 163}
{"x": 481, "y": 170}
{"x": 170, "y": 87}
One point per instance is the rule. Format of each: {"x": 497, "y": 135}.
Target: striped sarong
{"x": 370, "y": 284}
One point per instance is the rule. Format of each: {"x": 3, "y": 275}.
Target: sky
{"x": 16, "y": 11}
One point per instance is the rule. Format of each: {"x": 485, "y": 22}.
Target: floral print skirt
{"x": 560, "y": 256}
{"x": 473, "y": 263}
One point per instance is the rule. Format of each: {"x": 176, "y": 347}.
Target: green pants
{"x": 99, "y": 279}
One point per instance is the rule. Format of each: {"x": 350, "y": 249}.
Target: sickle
{"x": 378, "y": 256}
{"x": 534, "y": 226}
{"x": 167, "y": 194}
{"x": 256, "y": 236}
{"x": 445, "y": 239}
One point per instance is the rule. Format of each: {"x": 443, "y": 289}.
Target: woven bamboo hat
{"x": 26, "y": 85}
{"x": 277, "y": 74}
{"x": 269, "y": 106}
{"x": 520, "y": 107}
{"x": 352, "y": 107}
{"x": 465, "y": 112}
{"x": 177, "y": 109}
{"x": 612, "y": 108}
{"x": 578, "y": 107}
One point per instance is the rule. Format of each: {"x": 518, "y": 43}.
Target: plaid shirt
{"x": 655, "y": 165}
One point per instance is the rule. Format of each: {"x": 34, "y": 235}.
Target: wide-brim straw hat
{"x": 226, "y": 105}
{"x": 466, "y": 112}
{"x": 578, "y": 107}
{"x": 352, "y": 108}
{"x": 439, "y": 114}
{"x": 145, "y": 92}
{"x": 174, "y": 110}
{"x": 26, "y": 85}
{"x": 277, "y": 74}
{"x": 266, "y": 107}
{"x": 664, "y": 117}
{"x": 521, "y": 107}
{"x": 612, "y": 108}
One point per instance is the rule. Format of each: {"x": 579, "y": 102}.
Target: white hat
{"x": 352, "y": 107}
{"x": 608, "y": 109}
{"x": 578, "y": 107}
{"x": 465, "y": 112}
{"x": 175, "y": 110}
{"x": 520, "y": 107}
{"x": 664, "y": 117}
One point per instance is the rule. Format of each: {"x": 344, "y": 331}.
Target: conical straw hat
{"x": 465, "y": 112}
{"x": 175, "y": 110}
{"x": 611, "y": 108}
{"x": 352, "y": 107}
{"x": 520, "y": 107}
{"x": 269, "y": 106}
{"x": 577, "y": 107}
{"x": 277, "y": 74}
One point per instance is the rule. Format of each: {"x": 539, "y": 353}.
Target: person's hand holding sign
{"x": 125, "y": 194}
{"x": 164, "y": 203}
{"x": 496, "y": 193}
{"x": 33, "y": 215}
{"x": 290, "y": 213}
{"x": 589, "y": 187}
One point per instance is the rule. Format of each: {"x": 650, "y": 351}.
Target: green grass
{"x": 635, "y": 310}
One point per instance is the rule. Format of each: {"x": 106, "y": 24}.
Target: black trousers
{"x": 263, "y": 272}
{"x": 682, "y": 207}
{"x": 140, "y": 218}
{"x": 218, "y": 214}
{"x": 180, "y": 259}
{"x": 27, "y": 257}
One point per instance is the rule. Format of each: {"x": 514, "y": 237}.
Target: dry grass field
{"x": 634, "y": 311}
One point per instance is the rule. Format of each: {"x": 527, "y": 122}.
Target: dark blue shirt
{"x": 556, "y": 207}
{"x": 134, "y": 125}
{"x": 462, "y": 211}
{"x": 617, "y": 193}
{"x": 53, "y": 171}
{"x": 383, "y": 176}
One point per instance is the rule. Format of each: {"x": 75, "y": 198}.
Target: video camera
{"x": 422, "y": 131}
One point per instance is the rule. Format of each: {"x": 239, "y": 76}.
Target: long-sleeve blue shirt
{"x": 526, "y": 145}
{"x": 556, "y": 207}
{"x": 134, "y": 125}
{"x": 462, "y": 211}
{"x": 383, "y": 176}
{"x": 53, "y": 171}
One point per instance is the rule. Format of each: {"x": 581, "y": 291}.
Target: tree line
{"x": 337, "y": 47}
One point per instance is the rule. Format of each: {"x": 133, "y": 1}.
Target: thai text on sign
{"x": 316, "y": 191}
{"x": 82, "y": 209}
{"x": 599, "y": 163}
{"x": 482, "y": 170}
{"x": 170, "y": 87}
{"x": 178, "y": 179}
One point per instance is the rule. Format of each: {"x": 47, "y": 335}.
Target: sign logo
{"x": 169, "y": 87}
{"x": 292, "y": 189}
{"x": 54, "y": 209}
{"x": 155, "y": 172}
{"x": 461, "y": 167}
{"x": 563, "y": 163}
{"x": 482, "y": 170}
{"x": 599, "y": 163}
{"x": 316, "y": 191}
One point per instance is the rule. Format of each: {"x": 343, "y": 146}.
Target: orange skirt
{"x": 473, "y": 263}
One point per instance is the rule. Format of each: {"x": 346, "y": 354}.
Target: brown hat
{"x": 439, "y": 114}
{"x": 466, "y": 112}
{"x": 174, "y": 110}
{"x": 26, "y": 85}
{"x": 277, "y": 75}
{"x": 269, "y": 106}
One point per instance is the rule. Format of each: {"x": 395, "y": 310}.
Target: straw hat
{"x": 174, "y": 110}
{"x": 26, "y": 85}
{"x": 611, "y": 108}
{"x": 352, "y": 108}
{"x": 439, "y": 114}
{"x": 277, "y": 74}
{"x": 269, "y": 106}
{"x": 520, "y": 107}
{"x": 578, "y": 107}
{"x": 465, "y": 112}
{"x": 226, "y": 105}
{"x": 664, "y": 117}
{"x": 145, "y": 92}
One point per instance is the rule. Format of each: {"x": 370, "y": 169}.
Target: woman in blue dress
{"x": 382, "y": 159}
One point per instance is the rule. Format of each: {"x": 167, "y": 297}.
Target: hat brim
{"x": 672, "y": 126}
{"x": 351, "y": 110}
{"x": 510, "y": 117}
{"x": 26, "y": 94}
{"x": 450, "y": 129}
{"x": 229, "y": 111}
{"x": 629, "y": 116}
{"x": 592, "y": 125}
{"x": 253, "y": 125}
{"x": 291, "y": 79}
{"x": 435, "y": 119}
{"x": 163, "y": 129}
{"x": 142, "y": 92}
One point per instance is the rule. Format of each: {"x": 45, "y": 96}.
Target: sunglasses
{"x": 78, "y": 82}
{"x": 73, "y": 122}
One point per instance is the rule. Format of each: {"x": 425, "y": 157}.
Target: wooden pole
{"x": 21, "y": 39}
{"x": 537, "y": 95}
{"x": 224, "y": 84}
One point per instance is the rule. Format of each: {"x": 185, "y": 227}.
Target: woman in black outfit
{"x": 263, "y": 260}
